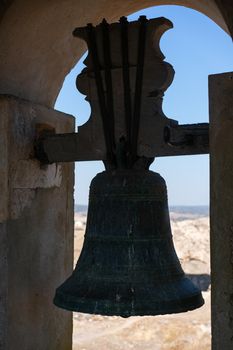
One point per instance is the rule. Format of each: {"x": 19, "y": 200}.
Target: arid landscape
{"x": 187, "y": 331}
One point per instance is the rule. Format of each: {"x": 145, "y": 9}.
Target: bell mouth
{"x": 169, "y": 298}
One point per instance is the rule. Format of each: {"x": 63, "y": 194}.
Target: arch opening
{"x": 191, "y": 170}
{"x": 186, "y": 100}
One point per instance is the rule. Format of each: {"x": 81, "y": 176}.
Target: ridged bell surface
{"x": 128, "y": 265}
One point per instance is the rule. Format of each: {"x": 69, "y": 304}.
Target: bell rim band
{"x": 155, "y": 309}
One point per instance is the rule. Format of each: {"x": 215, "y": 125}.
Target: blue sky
{"x": 196, "y": 47}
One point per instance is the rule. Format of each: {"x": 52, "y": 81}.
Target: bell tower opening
{"x": 190, "y": 48}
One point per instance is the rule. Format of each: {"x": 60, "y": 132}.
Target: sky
{"x": 196, "y": 47}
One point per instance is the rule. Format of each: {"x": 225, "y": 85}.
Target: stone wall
{"x": 36, "y": 231}
{"x": 221, "y": 211}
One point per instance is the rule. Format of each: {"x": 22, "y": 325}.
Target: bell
{"x": 128, "y": 265}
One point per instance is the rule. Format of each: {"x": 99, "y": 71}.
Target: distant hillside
{"x": 199, "y": 210}
{"x": 80, "y": 208}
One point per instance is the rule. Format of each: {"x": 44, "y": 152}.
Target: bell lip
{"x": 100, "y": 307}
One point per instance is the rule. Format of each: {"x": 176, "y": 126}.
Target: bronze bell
{"x": 128, "y": 265}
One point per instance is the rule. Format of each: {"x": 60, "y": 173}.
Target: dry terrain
{"x": 187, "y": 331}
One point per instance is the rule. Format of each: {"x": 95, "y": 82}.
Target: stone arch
{"x": 37, "y": 47}
{"x": 37, "y": 51}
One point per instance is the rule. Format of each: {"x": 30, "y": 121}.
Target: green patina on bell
{"x": 128, "y": 265}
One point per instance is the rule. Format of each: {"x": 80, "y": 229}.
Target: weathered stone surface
{"x": 33, "y": 178}
{"x": 226, "y": 8}
{"x": 3, "y": 287}
{"x": 221, "y": 222}
{"x": 4, "y": 164}
{"x": 36, "y": 231}
{"x": 23, "y": 174}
